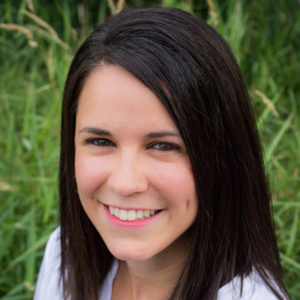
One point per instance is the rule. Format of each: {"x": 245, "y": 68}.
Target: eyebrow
{"x": 162, "y": 134}
{"x": 99, "y": 131}
{"x": 95, "y": 130}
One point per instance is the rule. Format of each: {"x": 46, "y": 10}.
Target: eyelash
{"x": 100, "y": 142}
{"x": 160, "y": 146}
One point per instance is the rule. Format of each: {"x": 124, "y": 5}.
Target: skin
{"x": 130, "y": 155}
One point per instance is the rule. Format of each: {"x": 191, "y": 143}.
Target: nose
{"x": 128, "y": 175}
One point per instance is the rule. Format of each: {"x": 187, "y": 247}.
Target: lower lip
{"x": 129, "y": 224}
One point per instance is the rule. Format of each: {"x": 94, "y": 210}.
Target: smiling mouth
{"x": 131, "y": 215}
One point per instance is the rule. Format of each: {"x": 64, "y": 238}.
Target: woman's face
{"x": 133, "y": 172}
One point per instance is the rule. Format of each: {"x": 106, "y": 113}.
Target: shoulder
{"x": 53, "y": 249}
{"x": 107, "y": 285}
{"x": 48, "y": 283}
{"x": 253, "y": 288}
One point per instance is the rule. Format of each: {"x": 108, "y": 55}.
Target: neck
{"x": 153, "y": 279}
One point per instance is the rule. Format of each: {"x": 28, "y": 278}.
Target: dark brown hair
{"x": 171, "y": 50}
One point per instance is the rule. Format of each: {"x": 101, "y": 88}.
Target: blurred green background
{"x": 38, "y": 39}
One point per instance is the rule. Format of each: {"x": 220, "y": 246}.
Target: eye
{"x": 164, "y": 147}
{"x": 100, "y": 142}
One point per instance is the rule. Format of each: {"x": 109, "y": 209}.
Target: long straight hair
{"x": 192, "y": 71}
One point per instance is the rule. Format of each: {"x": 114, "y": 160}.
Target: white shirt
{"x": 49, "y": 287}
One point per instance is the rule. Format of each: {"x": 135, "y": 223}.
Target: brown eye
{"x": 100, "y": 142}
{"x": 164, "y": 147}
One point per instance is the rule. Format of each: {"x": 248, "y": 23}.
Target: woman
{"x": 163, "y": 193}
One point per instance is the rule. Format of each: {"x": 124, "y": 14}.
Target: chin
{"x": 131, "y": 254}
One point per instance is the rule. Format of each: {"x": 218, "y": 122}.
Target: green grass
{"x": 265, "y": 39}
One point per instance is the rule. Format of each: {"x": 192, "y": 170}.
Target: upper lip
{"x": 129, "y": 208}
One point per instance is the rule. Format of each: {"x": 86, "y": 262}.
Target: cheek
{"x": 177, "y": 185}
{"x": 89, "y": 175}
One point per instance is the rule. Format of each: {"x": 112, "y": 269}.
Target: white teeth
{"x": 123, "y": 215}
{"x": 140, "y": 215}
{"x": 117, "y": 213}
{"x": 130, "y": 215}
{"x": 111, "y": 209}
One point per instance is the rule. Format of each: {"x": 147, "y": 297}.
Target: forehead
{"x": 112, "y": 96}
